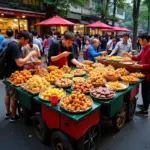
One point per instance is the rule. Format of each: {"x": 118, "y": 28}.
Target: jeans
{"x": 146, "y": 94}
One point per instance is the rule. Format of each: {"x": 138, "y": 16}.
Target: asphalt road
{"x": 135, "y": 134}
{"x": 17, "y": 136}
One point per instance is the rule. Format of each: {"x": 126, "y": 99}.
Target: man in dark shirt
{"x": 61, "y": 51}
{"x": 9, "y": 33}
{"x": 15, "y": 62}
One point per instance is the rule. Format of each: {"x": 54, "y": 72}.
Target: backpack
{"x": 85, "y": 54}
{"x": 3, "y": 64}
{"x": 4, "y": 72}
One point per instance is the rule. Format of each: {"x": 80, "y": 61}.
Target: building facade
{"x": 85, "y": 15}
{"x": 20, "y": 15}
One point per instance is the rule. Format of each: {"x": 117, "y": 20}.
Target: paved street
{"x": 135, "y": 135}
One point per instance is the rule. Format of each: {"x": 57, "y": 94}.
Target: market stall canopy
{"x": 98, "y": 24}
{"x": 55, "y": 21}
{"x": 107, "y": 30}
{"x": 117, "y": 28}
{"x": 125, "y": 30}
{"x": 120, "y": 29}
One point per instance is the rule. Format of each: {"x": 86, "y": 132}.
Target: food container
{"x": 112, "y": 78}
{"x": 54, "y": 100}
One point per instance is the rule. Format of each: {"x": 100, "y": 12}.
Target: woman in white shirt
{"x": 30, "y": 47}
{"x": 27, "y": 49}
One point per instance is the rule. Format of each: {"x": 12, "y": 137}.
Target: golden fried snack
{"x": 76, "y": 102}
{"x": 66, "y": 69}
{"x": 53, "y": 76}
{"x": 36, "y": 84}
{"x": 20, "y": 77}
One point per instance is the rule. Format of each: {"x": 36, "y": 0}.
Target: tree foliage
{"x": 60, "y": 7}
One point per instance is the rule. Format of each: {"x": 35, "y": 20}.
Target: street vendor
{"x": 122, "y": 46}
{"x": 144, "y": 58}
{"x": 61, "y": 53}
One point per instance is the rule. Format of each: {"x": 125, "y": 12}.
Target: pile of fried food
{"x": 83, "y": 87}
{"x": 78, "y": 79}
{"x": 109, "y": 68}
{"x": 36, "y": 84}
{"x": 37, "y": 62}
{"x": 138, "y": 75}
{"x": 129, "y": 79}
{"x": 41, "y": 72}
{"x": 52, "y": 67}
{"x": 122, "y": 71}
{"x": 103, "y": 93}
{"x": 87, "y": 62}
{"x": 95, "y": 65}
{"x": 67, "y": 75}
{"x": 76, "y": 102}
{"x": 20, "y": 77}
{"x": 53, "y": 76}
{"x": 78, "y": 72}
{"x": 66, "y": 69}
{"x": 117, "y": 85}
{"x": 52, "y": 92}
{"x": 112, "y": 76}
{"x": 97, "y": 80}
{"x": 115, "y": 58}
{"x": 64, "y": 82}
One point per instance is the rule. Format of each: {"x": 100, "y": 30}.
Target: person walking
{"x": 10, "y": 34}
{"x": 37, "y": 41}
{"x": 45, "y": 47}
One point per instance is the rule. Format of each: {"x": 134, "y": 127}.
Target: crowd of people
{"x": 65, "y": 49}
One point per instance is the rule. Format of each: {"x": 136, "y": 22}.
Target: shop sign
{"x": 17, "y": 13}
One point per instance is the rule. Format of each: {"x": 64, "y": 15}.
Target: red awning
{"x": 99, "y": 24}
{"x": 55, "y": 21}
{"x": 117, "y": 28}
{"x": 120, "y": 29}
{"x": 125, "y": 30}
{"x": 17, "y": 12}
{"x": 107, "y": 30}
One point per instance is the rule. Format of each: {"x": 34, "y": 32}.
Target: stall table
{"x": 77, "y": 130}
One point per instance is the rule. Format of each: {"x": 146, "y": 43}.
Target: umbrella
{"x": 125, "y": 30}
{"x": 117, "y": 28}
{"x": 120, "y": 29}
{"x": 55, "y": 21}
{"x": 107, "y": 30}
{"x": 98, "y": 24}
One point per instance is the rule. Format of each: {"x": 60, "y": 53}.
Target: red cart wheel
{"x": 87, "y": 141}
{"x": 131, "y": 109}
{"x": 119, "y": 120}
{"x": 41, "y": 129}
{"x": 60, "y": 141}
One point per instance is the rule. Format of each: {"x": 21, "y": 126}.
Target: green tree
{"x": 136, "y": 10}
{"x": 60, "y": 7}
{"x": 102, "y": 10}
{"x": 120, "y": 4}
{"x": 147, "y": 3}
